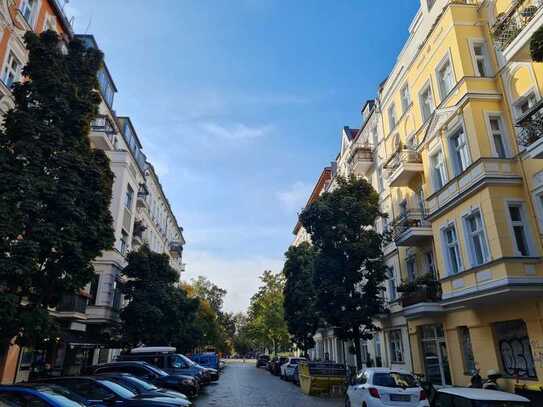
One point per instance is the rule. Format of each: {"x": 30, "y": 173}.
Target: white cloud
{"x": 295, "y": 196}
{"x": 238, "y": 276}
{"x": 236, "y": 132}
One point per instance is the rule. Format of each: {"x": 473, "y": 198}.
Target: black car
{"x": 262, "y": 360}
{"x": 145, "y": 389}
{"x": 275, "y": 365}
{"x": 173, "y": 363}
{"x": 98, "y": 391}
{"x": 184, "y": 384}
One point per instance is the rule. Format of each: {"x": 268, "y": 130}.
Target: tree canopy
{"x": 55, "y": 190}
{"x": 266, "y": 324}
{"x": 299, "y": 295}
{"x": 158, "y": 312}
{"x": 349, "y": 268}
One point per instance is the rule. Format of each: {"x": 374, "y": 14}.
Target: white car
{"x": 461, "y": 396}
{"x": 383, "y": 387}
{"x": 287, "y": 369}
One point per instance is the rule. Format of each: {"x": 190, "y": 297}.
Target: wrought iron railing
{"x": 509, "y": 24}
{"x": 530, "y": 125}
{"x": 421, "y": 294}
{"x": 412, "y": 218}
{"x": 102, "y": 124}
{"x": 403, "y": 156}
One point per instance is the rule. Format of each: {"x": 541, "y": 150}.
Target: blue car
{"x": 207, "y": 359}
{"x": 39, "y": 395}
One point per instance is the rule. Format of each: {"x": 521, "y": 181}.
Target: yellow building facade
{"x": 462, "y": 116}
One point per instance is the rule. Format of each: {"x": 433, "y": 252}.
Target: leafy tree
{"x": 300, "y": 311}
{"x": 158, "y": 313}
{"x": 349, "y": 268}
{"x": 266, "y": 324}
{"x": 536, "y": 45}
{"x": 55, "y": 190}
{"x": 210, "y": 292}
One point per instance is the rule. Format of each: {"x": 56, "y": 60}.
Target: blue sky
{"x": 239, "y": 104}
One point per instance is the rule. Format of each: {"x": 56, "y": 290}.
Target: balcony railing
{"x": 403, "y": 166}
{"x": 103, "y": 132}
{"x": 411, "y": 228}
{"x": 509, "y": 24}
{"x": 420, "y": 295}
{"x": 176, "y": 248}
{"x": 73, "y": 303}
{"x": 362, "y": 158}
{"x": 531, "y": 126}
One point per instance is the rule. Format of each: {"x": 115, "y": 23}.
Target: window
{"x": 459, "y": 150}
{"x": 50, "y": 23}
{"x": 391, "y": 117}
{"x": 439, "y": 178}
{"x": 106, "y": 89}
{"x": 476, "y": 238}
{"x": 406, "y": 98}
{"x": 124, "y": 243}
{"x": 380, "y": 180}
{"x": 94, "y": 289}
{"x": 29, "y": 10}
{"x": 396, "y": 346}
{"x": 129, "y": 197}
{"x": 430, "y": 4}
{"x": 467, "y": 350}
{"x": 514, "y": 347}
{"x": 392, "y": 293}
{"x": 497, "y": 135}
{"x": 480, "y": 59}
{"x": 411, "y": 268}
{"x": 525, "y": 104}
{"x": 445, "y": 78}
{"x": 12, "y": 70}
{"x": 520, "y": 237}
{"x": 430, "y": 266}
{"x": 426, "y": 102}
{"x": 454, "y": 263}
{"x": 116, "y": 295}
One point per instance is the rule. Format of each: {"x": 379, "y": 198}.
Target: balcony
{"x": 143, "y": 192}
{"x": 403, "y": 166}
{"x": 176, "y": 248}
{"x": 513, "y": 29}
{"x": 72, "y": 306}
{"x": 411, "y": 229}
{"x": 421, "y": 297}
{"x": 530, "y": 132}
{"x": 102, "y": 133}
{"x": 361, "y": 159}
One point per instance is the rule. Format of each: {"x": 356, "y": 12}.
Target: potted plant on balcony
{"x": 424, "y": 288}
{"x": 536, "y": 45}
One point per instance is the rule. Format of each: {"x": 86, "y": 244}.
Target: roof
{"x": 482, "y": 394}
{"x": 351, "y": 133}
{"x": 326, "y": 175}
{"x": 153, "y": 349}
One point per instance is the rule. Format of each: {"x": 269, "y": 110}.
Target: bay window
{"x": 438, "y": 174}
{"x": 518, "y": 220}
{"x": 476, "y": 238}
{"x": 426, "y": 102}
{"x": 452, "y": 249}
{"x": 445, "y": 78}
{"x": 459, "y": 150}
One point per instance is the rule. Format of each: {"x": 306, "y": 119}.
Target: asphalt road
{"x": 243, "y": 385}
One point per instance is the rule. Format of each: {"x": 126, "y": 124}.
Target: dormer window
{"x": 29, "y": 10}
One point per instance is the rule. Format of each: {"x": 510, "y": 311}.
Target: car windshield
{"x": 61, "y": 395}
{"x": 121, "y": 391}
{"x": 140, "y": 383}
{"x": 186, "y": 360}
{"x": 156, "y": 370}
{"x": 394, "y": 380}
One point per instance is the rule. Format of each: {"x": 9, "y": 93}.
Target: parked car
{"x": 275, "y": 367}
{"x": 165, "y": 358}
{"x": 185, "y": 384}
{"x": 39, "y": 395}
{"x": 145, "y": 389}
{"x": 98, "y": 391}
{"x": 461, "y": 396}
{"x": 262, "y": 360}
{"x": 287, "y": 369}
{"x": 379, "y": 387}
{"x": 270, "y": 363}
{"x": 296, "y": 376}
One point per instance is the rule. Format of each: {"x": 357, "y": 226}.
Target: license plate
{"x": 400, "y": 397}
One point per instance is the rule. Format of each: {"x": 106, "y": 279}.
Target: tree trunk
{"x": 358, "y": 350}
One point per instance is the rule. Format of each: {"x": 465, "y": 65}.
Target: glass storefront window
{"x": 434, "y": 350}
{"x": 467, "y": 350}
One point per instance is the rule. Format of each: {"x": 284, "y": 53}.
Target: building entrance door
{"x": 434, "y": 350}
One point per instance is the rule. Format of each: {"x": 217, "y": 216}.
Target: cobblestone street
{"x": 243, "y": 385}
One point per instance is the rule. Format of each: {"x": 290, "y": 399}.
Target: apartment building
{"x": 456, "y": 156}
{"x": 140, "y": 210}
